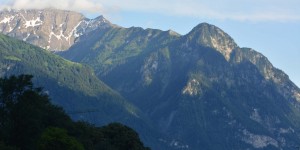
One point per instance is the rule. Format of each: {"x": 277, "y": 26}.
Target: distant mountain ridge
{"x": 51, "y": 29}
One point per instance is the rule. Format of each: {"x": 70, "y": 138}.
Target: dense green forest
{"x": 72, "y": 86}
{"x": 28, "y": 121}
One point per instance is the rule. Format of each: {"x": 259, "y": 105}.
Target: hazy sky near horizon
{"x": 271, "y": 27}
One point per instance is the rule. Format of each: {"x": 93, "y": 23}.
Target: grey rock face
{"x": 211, "y": 36}
{"x": 51, "y": 29}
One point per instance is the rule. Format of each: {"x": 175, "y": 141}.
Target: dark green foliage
{"x": 25, "y": 112}
{"x": 18, "y": 57}
{"x": 71, "y": 85}
{"x": 29, "y": 121}
{"x": 58, "y": 139}
{"x": 114, "y": 136}
{"x": 5, "y": 147}
{"x": 121, "y": 137}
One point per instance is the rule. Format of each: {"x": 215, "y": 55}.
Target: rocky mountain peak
{"x": 173, "y": 33}
{"x": 211, "y": 36}
{"x": 51, "y": 29}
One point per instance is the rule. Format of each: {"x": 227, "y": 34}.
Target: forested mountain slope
{"x": 72, "y": 86}
{"x": 201, "y": 89}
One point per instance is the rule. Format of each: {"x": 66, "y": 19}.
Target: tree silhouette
{"x": 29, "y": 121}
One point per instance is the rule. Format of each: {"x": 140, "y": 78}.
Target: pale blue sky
{"x": 271, "y": 27}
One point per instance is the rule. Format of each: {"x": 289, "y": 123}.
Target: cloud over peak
{"x": 89, "y": 6}
{"x": 246, "y": 10}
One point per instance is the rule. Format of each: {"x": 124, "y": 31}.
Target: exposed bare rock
{"x": 51, "y": 29}
{"x": 213, "y": 37}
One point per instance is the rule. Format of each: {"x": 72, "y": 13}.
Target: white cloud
{"x": 75, "y": 5}
{"x": 242, "y": 10}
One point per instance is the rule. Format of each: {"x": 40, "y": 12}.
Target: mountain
{"x": 201, "y": 90}
{"x": 194, "y": 91}
{"x": 106, "y": 49}
{"x": 51, "y": 29}
{"x": 68, "y": 84}
{"x": 74, "y": 87}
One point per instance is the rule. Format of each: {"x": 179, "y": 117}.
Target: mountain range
{"x": 194, "y": 91}
{"x": 71, "y": 85}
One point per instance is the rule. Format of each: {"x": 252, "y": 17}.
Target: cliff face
{"x": 51, "y": 29}
{"x": 211, "y": 36}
